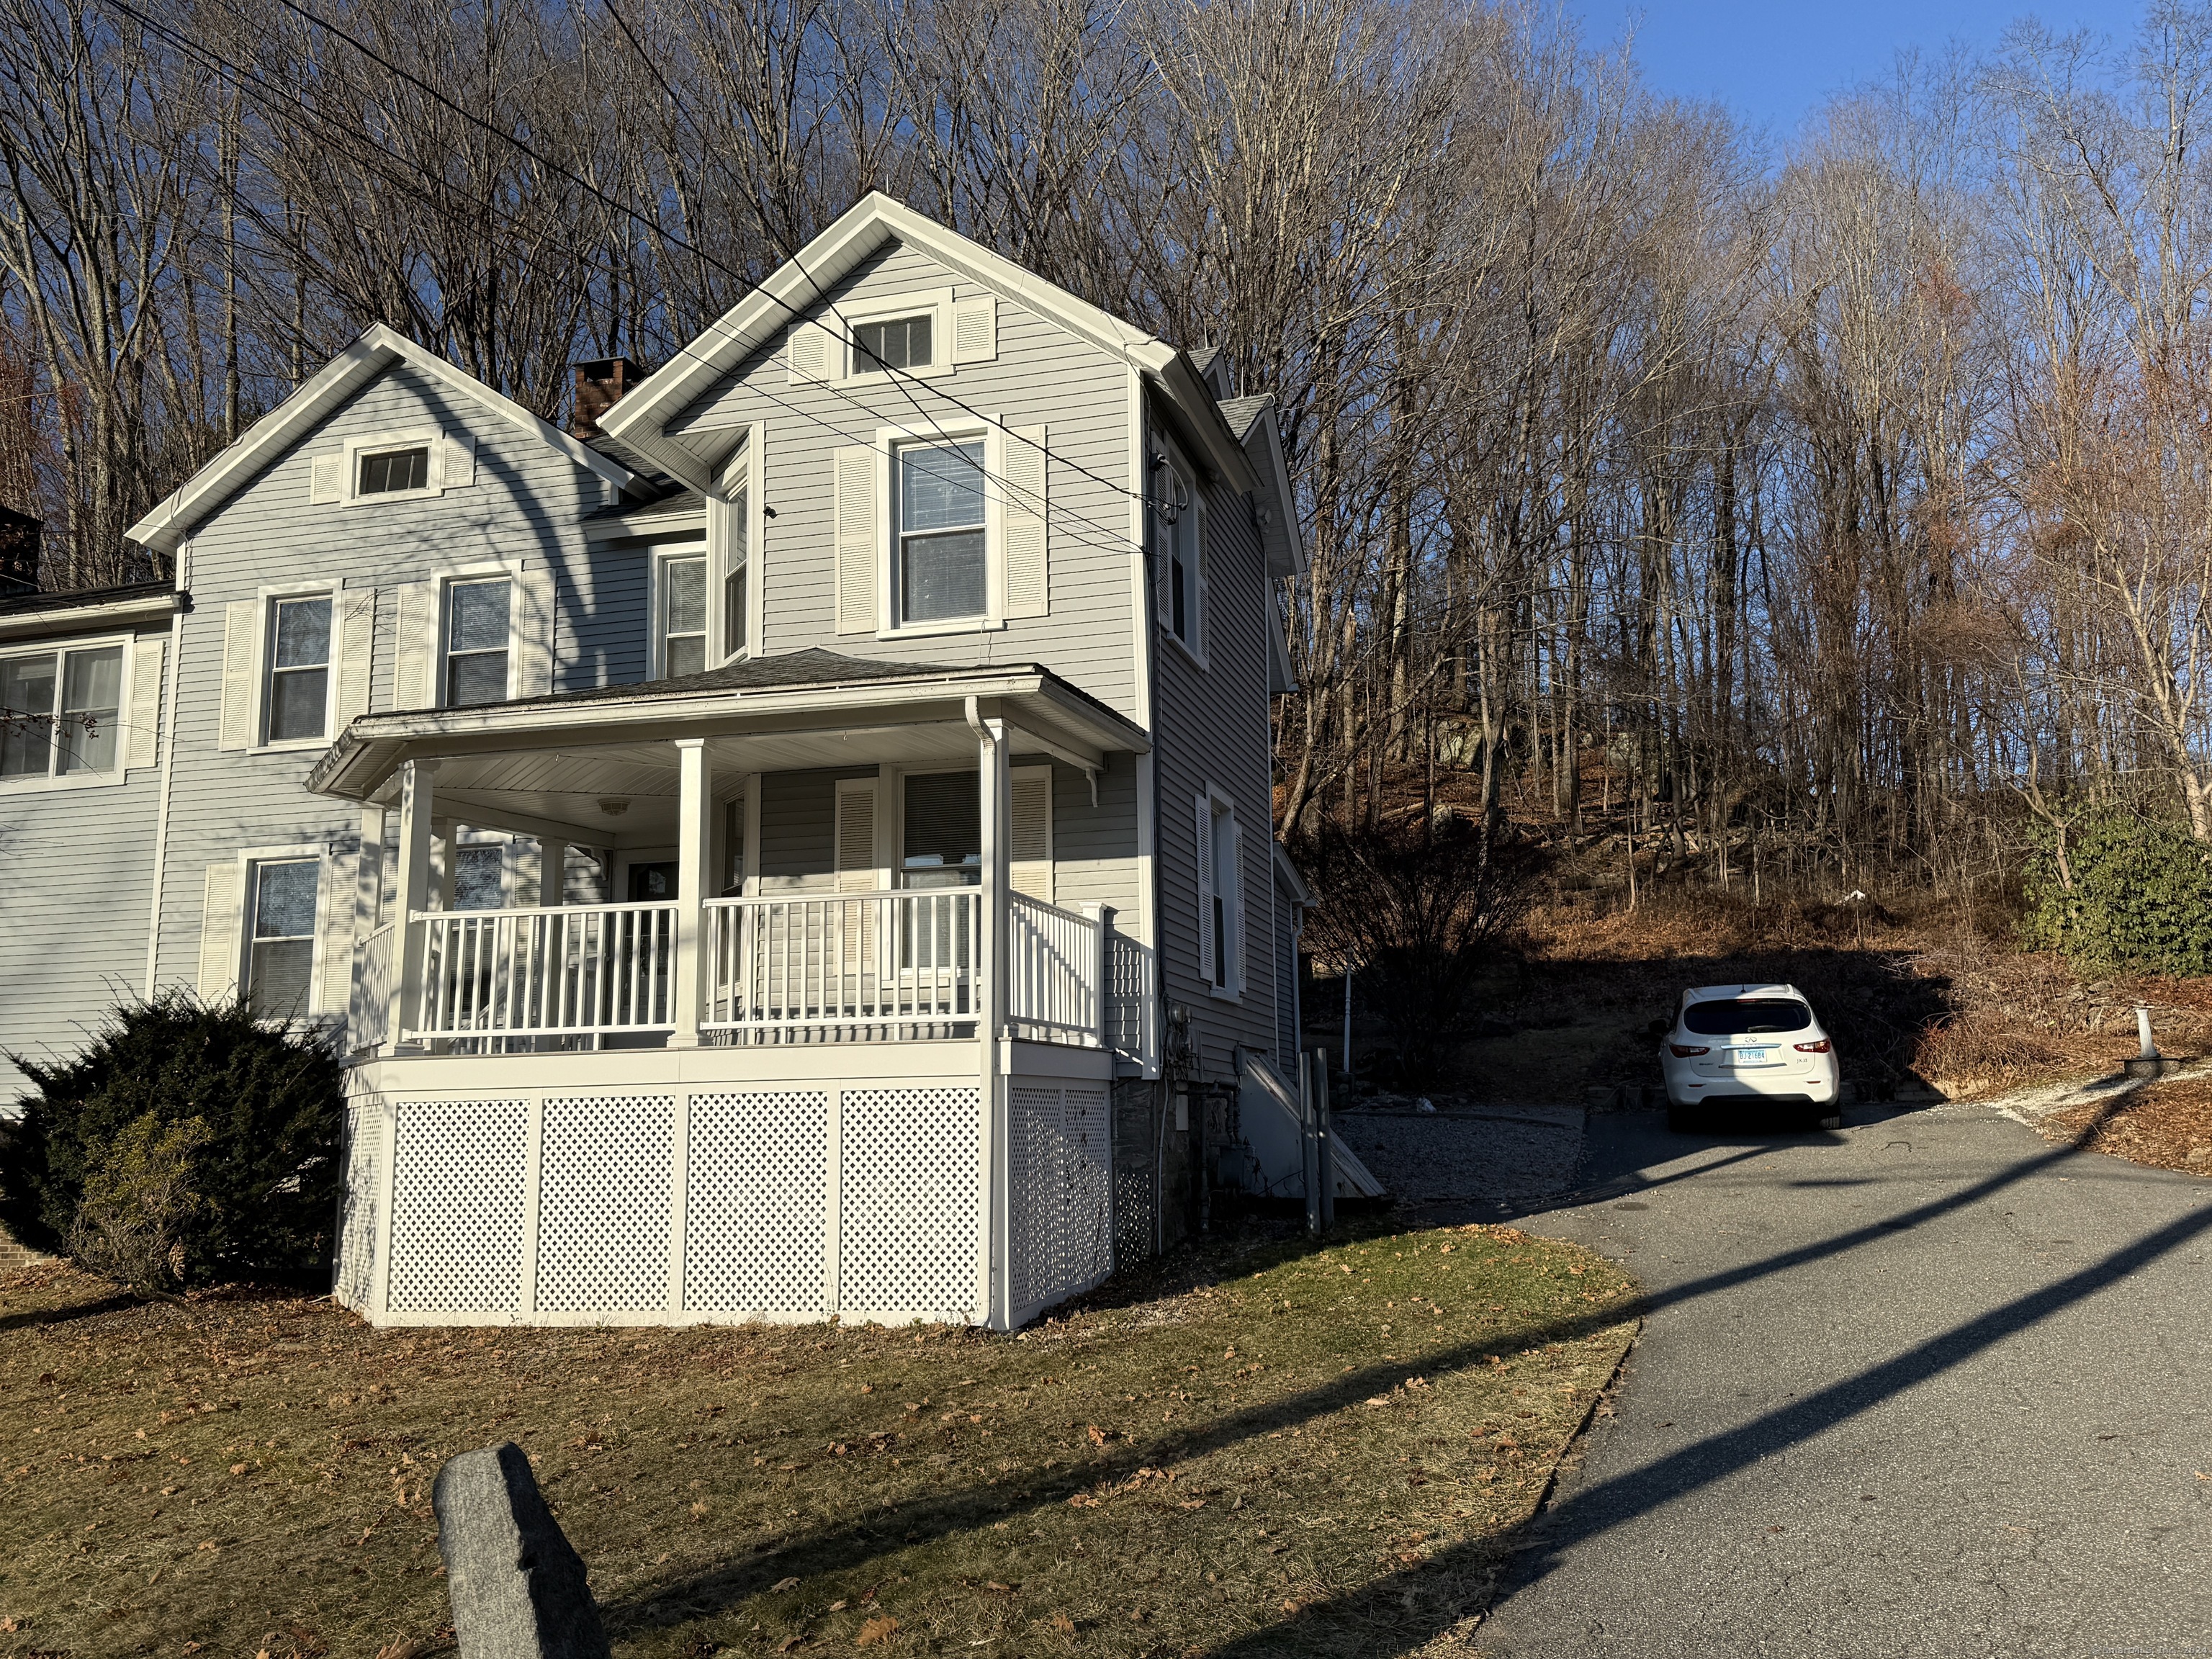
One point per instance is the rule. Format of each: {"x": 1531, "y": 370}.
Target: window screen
{"x": 736, "y": 575}
{"x": 943, "y": 827}
{"x": 479, "y": 878}
{"x": 59, "y": 713}
{"x": 477, "y": 642}
{"x": 899, "y": 342}
{"x": 300, "y": 669}
{"x": 395, "y": 470}
{"x": 682, "y": 616}
{"x": 283, "y": 957}
{"x": 940, "y": 514}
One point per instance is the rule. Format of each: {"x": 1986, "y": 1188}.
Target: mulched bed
{"x": 2166, "y": 1125}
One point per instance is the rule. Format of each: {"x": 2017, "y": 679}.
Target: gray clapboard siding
{"x": 524, "y": 506}
{"x": 1210, "y": 726}
{"x": 1095, "y": 849}
{"x": 797, "y": 821}
{"x": 1041, "y": 376}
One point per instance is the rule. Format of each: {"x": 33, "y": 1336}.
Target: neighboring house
{"x": 760, "y": 848}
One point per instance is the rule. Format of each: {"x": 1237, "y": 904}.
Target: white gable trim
{"x": 644, "y": 416}
{"x": 377, "y": 348}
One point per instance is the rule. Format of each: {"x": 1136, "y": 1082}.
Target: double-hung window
{"x": 942, "y": 574}
{"x": 299, "y": 669}
{"x": 1182, "y": 545}
{"x": 1220, "y": 895}
{"x": 737, "y": 575}
{"x": 480, "y": 878}
{"x": 59, "y": 711}
{"x": 281, "y": 954}
{"x": 683, "y": 614}
{"x": 476, "y": 641}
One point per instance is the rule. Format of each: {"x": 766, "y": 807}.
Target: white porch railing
{"x": 1053, "y": 972}
{"x": 571, "y": 970}
{"x": 1132, "y": 1000}
{"x": 374, "y": 974}
{"x": 840, "y": 968}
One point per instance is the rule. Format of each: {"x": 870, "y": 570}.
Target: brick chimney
{"x": 600, "y": 384}
{"x": 19, "y": 551}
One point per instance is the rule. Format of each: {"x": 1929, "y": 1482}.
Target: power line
{"x": 1116, "y": 542}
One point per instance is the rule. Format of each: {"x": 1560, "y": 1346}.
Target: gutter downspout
{"x": 172, "y": 676}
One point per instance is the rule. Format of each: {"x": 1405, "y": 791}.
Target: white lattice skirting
{"x": 682, "y": 1205}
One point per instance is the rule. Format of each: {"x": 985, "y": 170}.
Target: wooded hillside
{"x": 1850, "y": 495}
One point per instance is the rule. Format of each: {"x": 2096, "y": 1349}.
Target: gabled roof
{"x": 377, "y": 349}
{"x": 1253, "y": 421}
{"x": 642, "y": 419}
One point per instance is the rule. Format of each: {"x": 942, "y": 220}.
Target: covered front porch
{"x": 815, "y": 961}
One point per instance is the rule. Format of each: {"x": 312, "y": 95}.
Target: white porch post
{"x": 368, "y": 894}
{"x": 994, "y": 790}
{"x": 414, "y": 808}
{"x": 552, "y": 872}
{"x": 694, "y": 850}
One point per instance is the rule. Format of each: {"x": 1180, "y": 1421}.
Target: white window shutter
{"x": 1030, "y": 855}
{"x": 1196, "y": 620}
{"x": 856, "y": 836}
{"x": 326, "y": 480}
{"x": 1163, "y": 564}
{"x": 141, "y": 738}
{"x": 416, "y": 648}
{"x": 976, "y": 329}
{"x": 858, "y": 532}
{"x": 356, "y": 652}
{"x": 1232, "y": 910}
{"x": 241, "y": 673}
{"x": 457, "y": 461}
{"x": 220, "y": 940}
{"x": 1205, "y": 941}
{"x": 334, "y": 928}
{"x": 1028, "y": 576}
{"x": 533, "y": 635}
{"x": 809, "y": 351}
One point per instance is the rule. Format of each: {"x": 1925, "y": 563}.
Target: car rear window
{"x": 1745, "y": 1016}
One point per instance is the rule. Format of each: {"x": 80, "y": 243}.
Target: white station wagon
{"x": 1736, "y": 1045}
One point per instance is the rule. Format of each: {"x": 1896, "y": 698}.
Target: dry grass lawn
{"x": 1292, "y": 1450}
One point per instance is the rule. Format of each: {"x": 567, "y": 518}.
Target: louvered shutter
{"x": 809, "y": 352}
{"x": 1161, "y": 560}
{"x": 241, "y": 673}
{"x": 356, "y": 653}
{"x": 1205, "y": 941}
{"x": 976, "y": 329}
{"x": 858, "y": 531}
{"x": 1028, "y": 583}
{"x": 416, "y": 648}
{"x": 457, "y": 461}
{"x": 141, "y": 738}
{"x": 1196, "y": 621}
{"x": 533, "y": 635}
{"x": 1030, "y": 854}
{"x": 220, "y": 945}
{"x": 326, "y": 480}
{"x": 334, "y": 926}
{"x": 856, "y": 869}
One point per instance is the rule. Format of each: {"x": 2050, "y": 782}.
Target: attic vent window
{"x": 395, "y": 470}
{"x": 895, "y": 343}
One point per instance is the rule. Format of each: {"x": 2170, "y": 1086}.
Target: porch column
{"x": 994, "y": 790}
{"x": 694, "y": 850}
{"x": 552, "y": 873}
{"x": 414, "y": 808}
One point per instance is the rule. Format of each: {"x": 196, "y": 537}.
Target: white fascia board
{"x": 1179, "y": 379}
{"x": 798, "y": 284}
{"x": 1293, "y": 883}
{"x": 63, "y": 624}
{"x": 1265, "y": 438}
{"x": 376, "y": 348}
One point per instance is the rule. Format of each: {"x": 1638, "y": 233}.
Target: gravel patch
{"x": 1427, "y": 1157}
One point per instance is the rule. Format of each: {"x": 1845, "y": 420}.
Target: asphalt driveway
{"x": 1930, "y": 1386}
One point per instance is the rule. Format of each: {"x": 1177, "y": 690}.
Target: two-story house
{"x": 761, "y": 847}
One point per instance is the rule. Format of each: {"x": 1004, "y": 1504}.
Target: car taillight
{"x": 1682, "y": 1051}
{"x": 1820, "y": 1047}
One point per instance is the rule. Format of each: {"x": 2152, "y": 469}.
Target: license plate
{"x": 1749, "y": 1056}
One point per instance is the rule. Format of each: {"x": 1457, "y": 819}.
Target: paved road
{"x": 1929, "y": 1387}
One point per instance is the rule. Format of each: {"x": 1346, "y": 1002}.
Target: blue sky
{"x": 1777, "y": 61}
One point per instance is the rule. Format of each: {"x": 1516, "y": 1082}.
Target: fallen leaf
{"x": 1083, "y": 1500}
{"x": 879, "y": 1629}
{"x": 1063, "y": 1624}
{"x": 782, "y": 1585}
{"x": 1376, "y": 1400}
{"x": 789, "y": 1643}
{"x": 837, "y": 1606}
{"x": 210, "y": 1544}
{"x": 1097, "y": 1435}
{"x": 993, "y": 1584}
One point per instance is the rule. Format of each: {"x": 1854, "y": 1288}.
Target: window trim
{"x": 511, "y": 571}
{"x": 842, "y": 319}
{"x": 889, "y": 442}
{"x": 56, "y": 648}
{"x": 657, "y": 598}
{"x": 242, "y": 919}
{"x": 359, "y": 449}
{"x": 264, "y": 656}
{"x": 1230, "y": 961}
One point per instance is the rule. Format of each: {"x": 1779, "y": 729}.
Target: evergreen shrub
{"x": 263, "y": 1169}
{"x": 2140, "y": 897}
